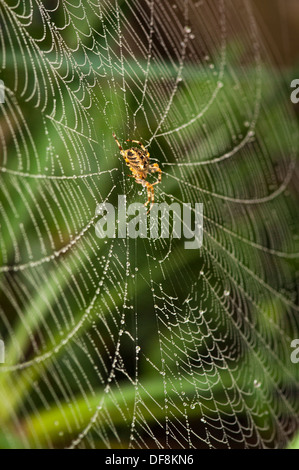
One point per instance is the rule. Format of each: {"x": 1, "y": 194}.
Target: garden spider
{"x": 138, "y": 160}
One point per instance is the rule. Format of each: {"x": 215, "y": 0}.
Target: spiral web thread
{"x": 141, "y": 343}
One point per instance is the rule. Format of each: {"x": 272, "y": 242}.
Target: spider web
{"x": 141, "y": 343}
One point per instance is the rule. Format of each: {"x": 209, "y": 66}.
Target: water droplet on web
{"x": 256, "y": 383}
{"x": 226, "y": 293}
{"x": 187, "y": 29}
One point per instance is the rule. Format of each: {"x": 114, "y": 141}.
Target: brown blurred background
{"x": 281, "y": 21}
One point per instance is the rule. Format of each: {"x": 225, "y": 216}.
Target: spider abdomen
{"x": 138, "y": 160}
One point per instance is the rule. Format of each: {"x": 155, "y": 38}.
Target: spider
{"x": 138, "y": 160}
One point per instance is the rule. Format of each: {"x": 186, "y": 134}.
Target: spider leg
{"x": 150, "y": 196}
{"x": 153, "y": 199}
{"x": 118, "y": 144}
{"x": 139, "y": 143}
{"x": 122, "y": 152}
{"x": 155, "y": 168}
